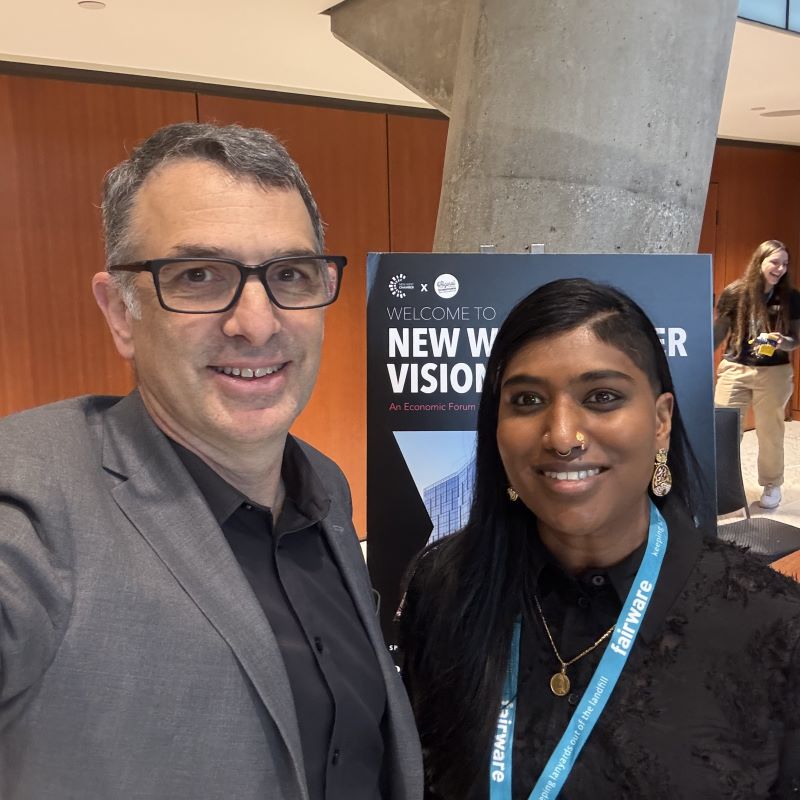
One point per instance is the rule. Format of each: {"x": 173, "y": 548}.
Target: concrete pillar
{"x": 414, "y": 41}
{"x": 588, "y": 126}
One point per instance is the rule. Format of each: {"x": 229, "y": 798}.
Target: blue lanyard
{"x": 594, "y": 699}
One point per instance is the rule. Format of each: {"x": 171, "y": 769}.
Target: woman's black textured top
{"x": 708, "y": 705}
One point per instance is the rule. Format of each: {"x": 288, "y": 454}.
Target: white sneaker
{"x": 770, "y": 497}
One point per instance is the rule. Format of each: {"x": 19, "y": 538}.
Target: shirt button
{"x": 599, "y": 580}
{"x": 335, "y": 758}
{"x": 573, "y": 699}
{"x": 320, "y": 648}
{"x": 583, "y": 602}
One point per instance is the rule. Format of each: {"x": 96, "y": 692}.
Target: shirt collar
{"x": 551, "y": 575}
{"x": 683, "y": 550}
{"x": 304, "y": 490}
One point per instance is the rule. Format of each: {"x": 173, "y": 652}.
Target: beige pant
{"x": 767, "y": 389}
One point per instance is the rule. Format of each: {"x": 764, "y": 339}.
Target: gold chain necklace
{"x": 559, "y": 683}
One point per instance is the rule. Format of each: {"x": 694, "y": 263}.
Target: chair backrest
{"x": 730, "y": 486}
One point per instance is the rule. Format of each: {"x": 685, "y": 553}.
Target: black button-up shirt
{"x": 708, "y": 705}
{"x": 677, "y": 701}
{"x": 339, "y": 694}
{"x": 579, "y": 610}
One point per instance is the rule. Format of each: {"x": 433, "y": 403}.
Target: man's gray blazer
{"x": 135, "y": 660}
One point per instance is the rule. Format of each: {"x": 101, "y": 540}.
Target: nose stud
{"x": 580, "y": 441}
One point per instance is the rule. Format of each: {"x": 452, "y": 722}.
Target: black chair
{"x": 766, "y": 538}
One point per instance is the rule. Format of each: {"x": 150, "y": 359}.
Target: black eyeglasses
{"x": 213, "y": 285}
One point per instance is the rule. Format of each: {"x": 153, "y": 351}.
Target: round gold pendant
{"x": 559, "y": 684}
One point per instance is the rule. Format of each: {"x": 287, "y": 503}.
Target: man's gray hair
{"x": 243, "y": 152}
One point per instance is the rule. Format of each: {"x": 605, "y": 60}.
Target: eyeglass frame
{"x": 154, "y": 266}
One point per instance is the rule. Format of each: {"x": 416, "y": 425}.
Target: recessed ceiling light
{"x": 92, "y": 5}
{"x": 758, "y": 108}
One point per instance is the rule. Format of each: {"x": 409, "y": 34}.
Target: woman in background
{"x": 580, "y": 607}
{"x": 759, "y": 315}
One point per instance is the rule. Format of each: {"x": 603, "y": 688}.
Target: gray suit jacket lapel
{"x": 162, "y": 502}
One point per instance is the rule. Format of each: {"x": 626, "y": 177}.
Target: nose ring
{"x": 580, "y": 441}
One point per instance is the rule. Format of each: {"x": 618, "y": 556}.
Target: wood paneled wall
{"x": 758, "y": 199}
{"x": 755, "y": 191}
{"x": 416, "y": 163}
{"x": 376, "y": 177}
{"x": 57, "y": 139}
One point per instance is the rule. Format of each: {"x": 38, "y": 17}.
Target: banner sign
{"x": 431, "y": 322}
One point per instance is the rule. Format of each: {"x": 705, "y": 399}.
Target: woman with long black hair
{"x": 579, "y": 638}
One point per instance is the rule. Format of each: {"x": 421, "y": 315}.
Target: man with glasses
{"x": 184, "y": 609}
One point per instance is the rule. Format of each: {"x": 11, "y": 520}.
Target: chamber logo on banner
{"x": 399, "y": 286}
{"x": 446, "y": 286}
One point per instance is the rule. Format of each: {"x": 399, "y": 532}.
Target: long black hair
{"x": 468, "y": 589}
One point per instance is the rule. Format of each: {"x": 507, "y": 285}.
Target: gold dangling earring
{"x": 513, "y": 495}
{"x": 662, "y": 477}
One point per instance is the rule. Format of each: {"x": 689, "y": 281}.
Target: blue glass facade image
{"x": 442, "y": 464}
{"x": 448, "y": 501}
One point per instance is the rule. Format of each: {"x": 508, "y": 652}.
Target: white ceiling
{"x": 764, "y": 71}
{"x": 286, "y": 45}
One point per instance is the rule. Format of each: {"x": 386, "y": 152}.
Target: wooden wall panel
{"x": 343, "y": 155}
{"x": 758, "y": 199}
{"x": 710, "y": 227}
{"x": 15, "y": 320}
{"x": 416, "y": 162}
{"x": 57, "y": 139}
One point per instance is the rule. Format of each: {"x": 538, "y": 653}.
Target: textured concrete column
{"x": 414, "y": 41}
{"x": 587, "y": 126}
